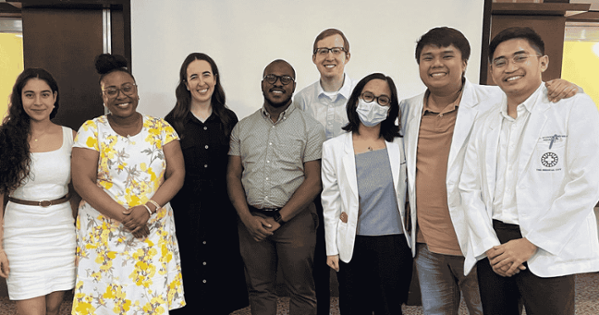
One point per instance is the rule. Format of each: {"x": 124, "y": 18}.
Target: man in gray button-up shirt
{"x": 273, "y": 178}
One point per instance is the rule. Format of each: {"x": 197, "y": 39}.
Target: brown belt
{"x": 43, "y": 203}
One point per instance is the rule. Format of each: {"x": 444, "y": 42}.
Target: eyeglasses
{"x": 127, "y": 89}
{"x": 272, "y": 79}
{"x": 383, "y": 100}
{"x": 325, "y": 51}
{"x": 517, "y": 59}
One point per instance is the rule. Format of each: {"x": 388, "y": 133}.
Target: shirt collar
{"x": 344, "y": 91}
{"x": 527, "y": 105}
{"x": 449, "y": 108}
{"x": 193, "y": 118}
{"x": 283, "y": 115}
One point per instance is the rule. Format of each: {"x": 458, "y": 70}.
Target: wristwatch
{"x": 278, "y": 218}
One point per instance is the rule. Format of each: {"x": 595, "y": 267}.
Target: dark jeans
{"x": 541, "y": 296}
{"x": 293, "y": 246}
{"x": 378, "y": 276}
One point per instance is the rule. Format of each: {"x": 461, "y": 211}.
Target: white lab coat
{"x": 555, "y": 196}
{"x": 340, "y": 191}
{"x": 472, "y": 105}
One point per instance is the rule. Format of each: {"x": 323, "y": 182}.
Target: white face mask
{"x": 371, "y": 114}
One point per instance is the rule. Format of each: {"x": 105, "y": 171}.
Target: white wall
{"x": 244, "y": 36}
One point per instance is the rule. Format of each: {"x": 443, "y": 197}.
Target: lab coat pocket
{"x": 550, "y": 154}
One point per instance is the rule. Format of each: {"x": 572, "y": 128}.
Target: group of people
{"x": 488, "y": 191}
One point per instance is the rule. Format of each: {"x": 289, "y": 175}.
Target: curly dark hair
{"x": 183, "y": 106}
{"x": 107, "y": 63}
{"x": 15, "y": 129}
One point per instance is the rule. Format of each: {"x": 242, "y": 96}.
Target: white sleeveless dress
{"x": 40, "y": 242}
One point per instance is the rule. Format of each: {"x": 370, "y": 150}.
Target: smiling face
{"x": 331, "y": 66}
{"x": 122, "y": 104}
{"x": 38, "y": 99}
{"x": 442, "y": 69}
{"x": 278, "y": 94}
{"x": 518, "y": 79}
{"x": 200, "y": 81}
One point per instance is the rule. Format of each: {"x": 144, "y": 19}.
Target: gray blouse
{"x": 379, "y": 214}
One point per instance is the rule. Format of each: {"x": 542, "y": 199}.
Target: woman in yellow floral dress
{"x": 126, "y": 167}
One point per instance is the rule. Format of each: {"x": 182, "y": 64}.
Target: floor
{"x": 587, "y": 301}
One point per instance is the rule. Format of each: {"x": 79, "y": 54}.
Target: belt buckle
{"x": 45, "y": 203}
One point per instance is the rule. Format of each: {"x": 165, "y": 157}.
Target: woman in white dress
{"x": 37, "y": 252}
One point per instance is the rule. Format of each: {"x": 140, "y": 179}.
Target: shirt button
{"x": 270, "y": 143}
{"x": 204, "y": 242}
{"x": 205, "y": 128}
{"x": 273, "y": 126}
{"x": 267, "y": 161}
{"x": 267, "y": 178}
{"x": 204, "y": 280}
{"x": 206, "y": 147}
{"x": 205, "y": 165}
{"x": 204, "y": 263}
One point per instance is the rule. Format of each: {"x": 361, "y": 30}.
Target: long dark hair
{"x": 389, "y": 129}
{"x": 183, "y": 106}
{"x": 15, "y": 160}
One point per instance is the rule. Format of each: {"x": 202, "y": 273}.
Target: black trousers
{"x": 378, "y": 276}
{"x": 321, "y": 271}
{"x": 500, "y": 295}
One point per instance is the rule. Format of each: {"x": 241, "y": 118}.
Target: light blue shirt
{"x": 330, "y": 112}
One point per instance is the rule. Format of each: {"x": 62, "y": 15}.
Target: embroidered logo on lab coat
{"x": 549, "y": 159}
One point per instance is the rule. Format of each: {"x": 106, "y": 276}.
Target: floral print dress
{"x": 117, "y": 273}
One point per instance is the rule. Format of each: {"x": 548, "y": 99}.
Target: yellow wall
{"x": 11, "y": 65}
{"x": 581, "y": 66}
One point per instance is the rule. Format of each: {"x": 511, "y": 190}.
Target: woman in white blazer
{"x": 363, "y": 197}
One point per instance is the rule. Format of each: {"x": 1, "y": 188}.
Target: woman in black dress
{"x": 213, "y": 275}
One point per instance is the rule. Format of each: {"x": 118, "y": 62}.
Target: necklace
{"x": 39, "y": 136}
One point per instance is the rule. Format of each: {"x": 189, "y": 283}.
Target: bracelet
{"x": 148, "y": 208}
{"x": 155, "y": 204}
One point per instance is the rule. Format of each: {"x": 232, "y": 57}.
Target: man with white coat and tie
{"x": 529, "y": 184}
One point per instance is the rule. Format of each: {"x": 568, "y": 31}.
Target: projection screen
{"x": 244, "y": 36}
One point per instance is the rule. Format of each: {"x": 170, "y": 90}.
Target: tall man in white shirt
{"x": 529, "y": 185}
{"x": 325, "y": 100}
{"x": 437, "y": 125}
